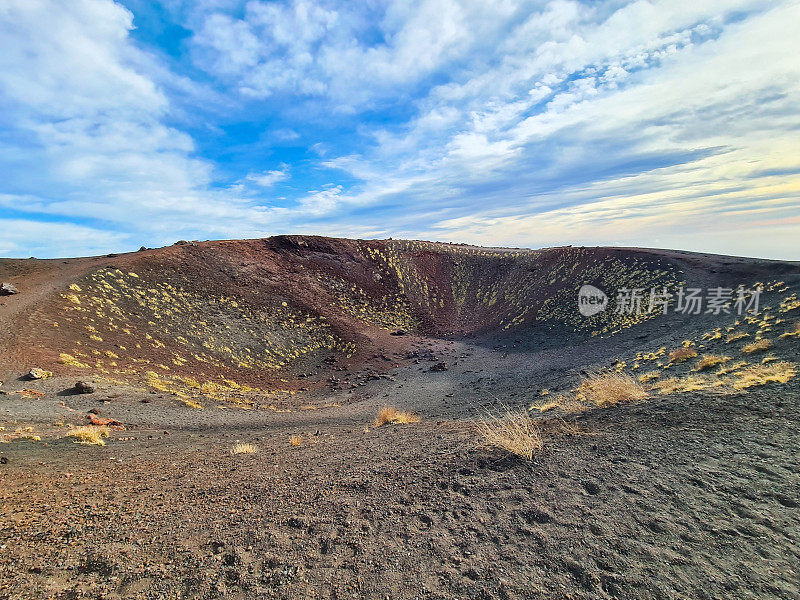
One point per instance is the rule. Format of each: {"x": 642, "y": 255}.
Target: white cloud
{"x": 267, "y": 179}
{"x": 693, "y": 116}
{"x": 321, "y": 202}
{"x": 25, "y": 238}
{"x": 520, "y": 122}
{"x": 86, "y": 133}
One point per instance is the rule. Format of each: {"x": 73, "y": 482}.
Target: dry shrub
{"x": 296, "y": 440}
{"x": 608, "y": 389}
{"x": 754, "y": 375}
{"x": 515, "y": 432}
{"x": 90, "y": 435}
{"x": 682, "y": 354}
{"x": 711, "y": 360}
{"x": 244, "y": 449}
{"x": 757, "y": 346}
{"x": 736, "y": 336}
{"x": 389, "y": 414}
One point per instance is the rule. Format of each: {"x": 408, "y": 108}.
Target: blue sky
{"x": 508, "y": 122}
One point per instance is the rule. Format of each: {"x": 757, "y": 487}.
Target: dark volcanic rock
{"x": 81, "y": 387}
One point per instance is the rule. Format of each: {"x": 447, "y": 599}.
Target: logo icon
{"x": 591, "y": 300}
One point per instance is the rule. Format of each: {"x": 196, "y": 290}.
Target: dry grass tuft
{"x": 389, "y": 414}
{"x": 296, "y": 440}
{"x": 731, "y": 367}
{"x": 690, "y": 383}
{"x": 567, "y": 403}
{"x": 91, "y": 435}
{"x": 244, "y": 448}
{"x": 546, "y": 406}
{"x": 736, "y": 336}
{"x": 514, "y": 432}
{"x": 649, "y": 376}
{"x": 608, "y": 389}
{"x": 682, "y": 354}
{"x": 711, "y": 360}
{"x": 755, "y": 375}
{"x": 757, "y": 346}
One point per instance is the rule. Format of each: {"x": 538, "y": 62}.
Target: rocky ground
{"x": 677, "y": 497}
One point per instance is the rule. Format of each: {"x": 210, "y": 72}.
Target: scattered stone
{"x": 591, "y": 486}
{"x": 438, "y": 367}
{"x": 3, "y": 460}
{"x": 95, "y": 411}
{"x": 399, "y": 332}
{"x": 216, "y": 547}
{"x": 8, "y": 289}
{"x": 37, "y": 373}
{"x": 82, "y": 387}
{"x": 99, "y": 421}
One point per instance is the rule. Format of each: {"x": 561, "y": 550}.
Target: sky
{"x": 671, "y": 124}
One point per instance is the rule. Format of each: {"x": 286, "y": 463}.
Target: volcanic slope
{"x": 200, "y": 317}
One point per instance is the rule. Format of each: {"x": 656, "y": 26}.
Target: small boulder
{"x": 438, "y": 367}
{"x": 8, "y": 289}
{"x": 82, "y": 387}
{"x": 100, "y": 422}
{"x": 37, "y": 373}
{"x": 399, "y": 332}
